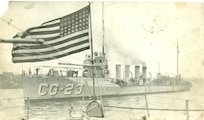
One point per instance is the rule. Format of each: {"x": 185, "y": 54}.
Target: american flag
{"x": 62, "y": 36}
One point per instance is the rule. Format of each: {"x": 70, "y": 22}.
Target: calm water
{"x": 58, "y": 109}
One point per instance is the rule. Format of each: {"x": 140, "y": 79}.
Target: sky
{"x": 136, "y": 33}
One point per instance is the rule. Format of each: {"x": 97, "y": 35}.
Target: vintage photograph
{"x": 102, "y": 60}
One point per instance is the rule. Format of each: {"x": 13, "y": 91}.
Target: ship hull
{"x": 41, "y": 88}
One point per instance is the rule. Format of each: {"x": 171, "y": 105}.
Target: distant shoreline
{"x": 9, "y": 80}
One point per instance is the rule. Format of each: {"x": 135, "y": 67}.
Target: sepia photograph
{"x": 101, "y": 60}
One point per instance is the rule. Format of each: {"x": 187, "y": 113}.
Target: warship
{"x": 67, "y": 82}
{"x": 71, "y": 34}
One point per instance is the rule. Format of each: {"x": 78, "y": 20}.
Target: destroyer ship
{"x": 73, "y": 35}
{"x": 69, "y": 83}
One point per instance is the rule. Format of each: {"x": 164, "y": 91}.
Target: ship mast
{"x": 177, "y": 60}
{"x": 103, "y": 49}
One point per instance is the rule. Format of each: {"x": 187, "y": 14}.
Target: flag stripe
{"x": 62, "y": 36}
{"x": 44, "y": 26}
{"x": 45, "y": 46}
{"x": 19, "y": 45}
{"x": 49, "y": 58}
{"x": 52, "y": 43}
{"x": 51, "y": 22}
{"x": 45, "y": 29}
{"x": 45, "y": 32}
{"x": 28, "y": 31}
{"x": 39, "y": 30}
{"x": 42, "y": 36}
{"x": 51, "y": 55}
{"x": 54, "y": 48}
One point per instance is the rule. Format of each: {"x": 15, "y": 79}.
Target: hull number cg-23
{"x": 54, "y": 88}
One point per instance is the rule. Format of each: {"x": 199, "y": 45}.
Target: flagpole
{"x": 98, "y": 109}
{"x": 92, "y": 62}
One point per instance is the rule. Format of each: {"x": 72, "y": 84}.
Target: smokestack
{"x": 127, "y": 71}
{"x": 118, "y": 70}
{"x": 137, "y": 72}
{"x": 144, "y": 72}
